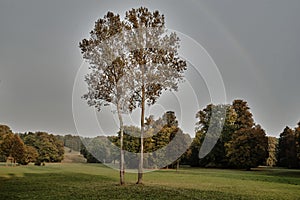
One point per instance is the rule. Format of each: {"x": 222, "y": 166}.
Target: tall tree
{"x": 287, "y": 156}
{"x": 248, "y": 145}
{"x": 155, "y": 63}
{"x": 247, "y": 148}
{"x": 107, "y": 81}
{"x": 131, "y": 61}
{"x": 211, "y": 118}
{"x": 244, "y": 116}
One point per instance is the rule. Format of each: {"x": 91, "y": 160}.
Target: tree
{"x": 248, "y": 147}
{"x": 131, "y": 145}
{"x": 107, "y": 80}
{"x": 272, "y": 151}
{"x": 12, "y": 147}
{"x": 210, "y": 126}
{"x": 30, "y": 155}
{"x": 165, "y": 141}
{"x": 4, "y": 130}
{"x": 244, "y": 116}
{"x": 48, "y": 147}
{"x": 18, "y": 149}
{"x": 132, "y": 61}
{"x": 72, "y": 142}
{"x": 155, "y": 63}
{"x": 287, "y": 156}
{"x": 297, "y": 138}
{"x": 98, "y": 150}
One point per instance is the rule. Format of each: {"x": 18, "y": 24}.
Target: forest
{"x": 242, "y": 144}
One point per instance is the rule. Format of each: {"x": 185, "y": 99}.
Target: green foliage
{"x": 132, "y": 61}
{"x": 11, "y": 145}
{"x": 244, "y": 116}
{"x": 247, "y": 148}
{"x": 98, "y": 150}
{"x": 287, "y": 156}
{"x": 4, "y": 130}
{"x": 164, "y": 142}
{"x": 216, "y": 123}
{"x": 72, "y": 142}
{"x": 272, "y": 151}
{"x": 18, "y": 149}
{"x": 48, "y": 147}
{"x": 234, "y": 142}
{"x": 30, "y": 155}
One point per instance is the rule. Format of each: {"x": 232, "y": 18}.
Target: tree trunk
{"x": 122, "y": 167}
{"x": 141, "y": 157}
{"x": 177, "y": 165}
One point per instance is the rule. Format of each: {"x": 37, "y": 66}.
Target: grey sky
{"x": 255, "y": 45}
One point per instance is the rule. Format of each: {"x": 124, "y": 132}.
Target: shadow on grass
{"x": 85, "y": 186}
{"x": 274, "y": 175}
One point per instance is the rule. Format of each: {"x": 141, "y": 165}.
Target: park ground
{"x": 96, "y": 181}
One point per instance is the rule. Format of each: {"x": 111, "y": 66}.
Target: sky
{"x": 252, "y": 46}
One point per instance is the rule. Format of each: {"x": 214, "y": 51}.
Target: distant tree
{"x": 180, "y": 144}
{"x": 287, "y": 155}
{"x": 49, "y": 147}
{"x": 4, "y": 130}
{"x": 165, "y": 142}
{"x": 211, "y": 118}
{"x": 158, "y": 136}
{"x": 247, "y": 148}
{"x": 12, "y": 147}
{"x": 72, "y": 142}
{"x": 297, "y": 138}
{"x": 130, "y": 143}
{"x": 17, "y": 149}
{"x": 98, "y": 150}
{"x": 30, "y": 155}
{"x": 272, "y": 151}
{"x": 194, "y": 149}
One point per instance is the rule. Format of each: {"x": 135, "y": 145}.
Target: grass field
{"x": 95, "y": 181}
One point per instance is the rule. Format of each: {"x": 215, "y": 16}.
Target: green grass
{"x": 95, "y": 181}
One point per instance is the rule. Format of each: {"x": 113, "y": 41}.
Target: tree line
{"x": 242, "y": 143}
{"x": 23, "y": 148}
{"x": 164, "y": 143}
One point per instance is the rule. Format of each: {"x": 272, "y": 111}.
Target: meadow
{"x": 96, "y": 181}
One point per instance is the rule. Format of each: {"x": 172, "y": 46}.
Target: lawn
{"x": 95, "y": 181}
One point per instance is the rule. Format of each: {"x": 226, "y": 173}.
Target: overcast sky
{"x": 255, "y": 45}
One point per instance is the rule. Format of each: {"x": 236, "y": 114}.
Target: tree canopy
{"x": 132, "y": 61}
